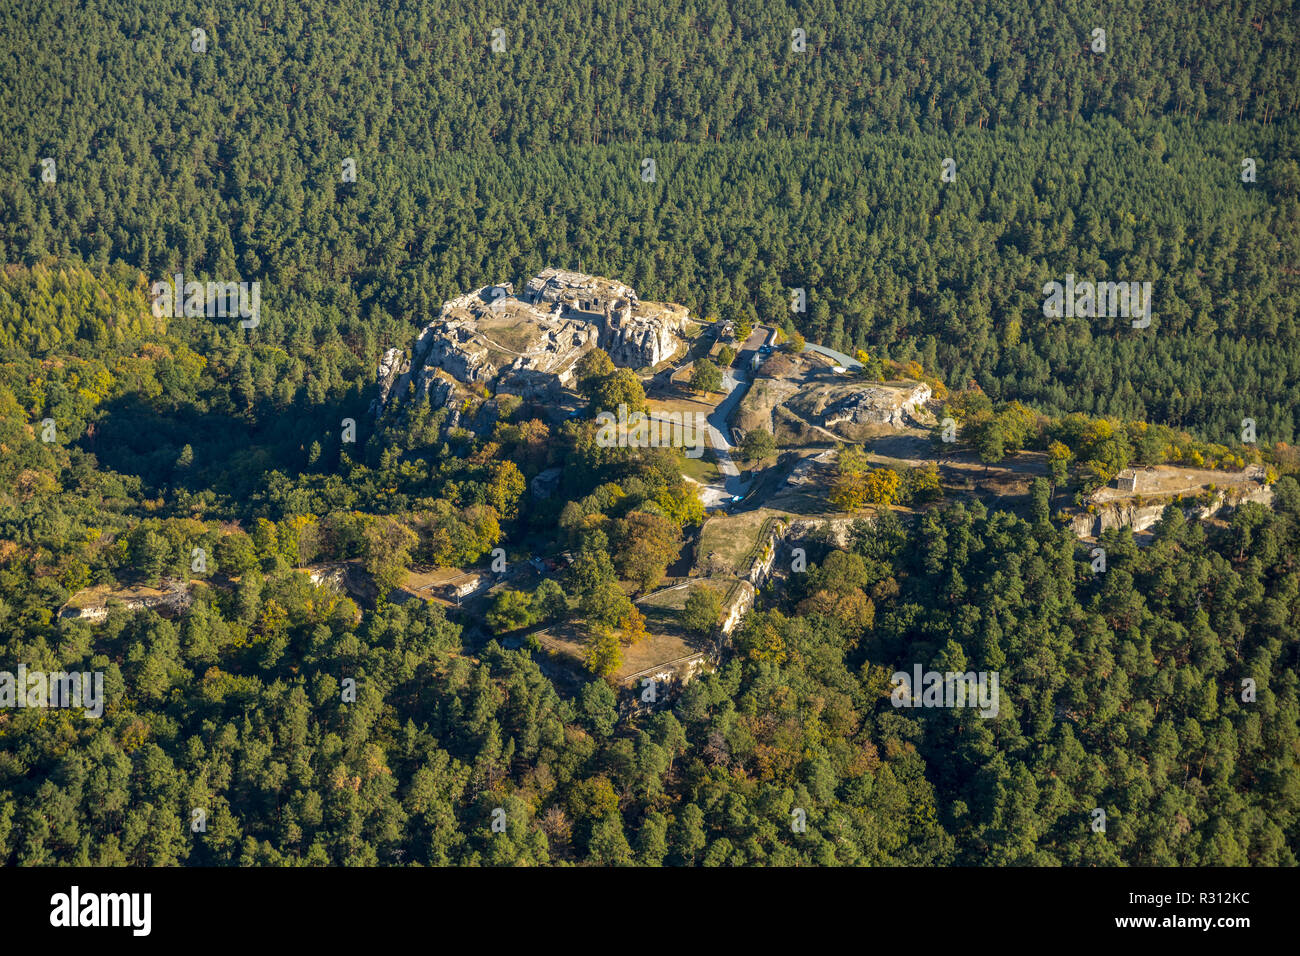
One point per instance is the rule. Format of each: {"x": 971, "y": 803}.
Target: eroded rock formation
{"x": 527, "y": 345}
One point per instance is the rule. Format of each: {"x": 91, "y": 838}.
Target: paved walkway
{"x": 735, "y": 380}
{"x": 718, "y": 418}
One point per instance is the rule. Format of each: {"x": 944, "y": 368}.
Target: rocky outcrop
{"x": 1140, "y": 514}
{"x": 877, "y": 405}
{"x": 669, "y": 676}
{"x": 174, "y": 597}
{"x": 836, "y": 531}
{"x": 391, "y": 368}
{"x": 455, "y": 348}
{"x": 638, "y": 341}
{"x": 742, "y": 599}
{"x": 528, "y": 345}
{"x": 856, "y": 411}
{"x": 766, "y": 556}
{"x": 345, "y": 577}
{"x": 1117, "y": 515}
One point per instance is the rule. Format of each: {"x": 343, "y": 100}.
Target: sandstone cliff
{"x": 1140, "y": 513}
{"x": 527, "y": 345}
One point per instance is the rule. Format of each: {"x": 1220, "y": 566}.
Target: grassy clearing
{"x": 665, "y": 642}
{"x": 727, "y": 542}
{"x": 703, "y": 469}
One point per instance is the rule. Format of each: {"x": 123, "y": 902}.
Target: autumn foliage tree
{"x": 646, "y": 545}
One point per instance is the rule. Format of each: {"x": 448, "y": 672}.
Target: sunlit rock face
{"x": 877, "y": 405}
{"x": 528, "y": 344}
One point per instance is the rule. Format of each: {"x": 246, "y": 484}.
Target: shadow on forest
{"x": 231, "y": 453}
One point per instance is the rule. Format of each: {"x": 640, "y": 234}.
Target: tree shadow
{"x": 232, "y": 453}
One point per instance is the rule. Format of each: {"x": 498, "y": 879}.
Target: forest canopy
{"x": 920, "y": 170}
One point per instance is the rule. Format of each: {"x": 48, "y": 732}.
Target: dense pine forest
{"x": 128, "y": 440}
